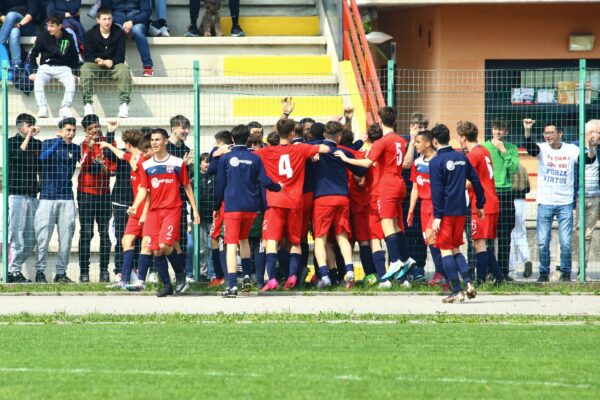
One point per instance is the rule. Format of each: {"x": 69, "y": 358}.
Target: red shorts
{"x": 162, "y": 226}
{"x": 238, "y": 225}
{"x": 307, "y": 207}
{"x": 450, "y": 235}
{"x": 331, "y": 212}
{"x": 426, "y": 215}
{"x": 391, "y": 208}
{"x": 279, "y": 219}
{"x": 217, "y": 225}
{"x": 360, "y": 226}
{"x": 134, "y": 227}
{"x": 375, "y": 230}
{"x": 484, "y": 228}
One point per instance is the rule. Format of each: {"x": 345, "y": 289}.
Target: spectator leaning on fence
{"x": 105, "y": 58}
{"x": 23, "y": 188}
{"x": 206, "y": 190}
{"x": 18, "y": 18}
{"x": 58, "y": 160}
{"x": 59, "y": 59}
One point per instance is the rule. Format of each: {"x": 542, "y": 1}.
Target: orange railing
{"x": 356, "y": 50}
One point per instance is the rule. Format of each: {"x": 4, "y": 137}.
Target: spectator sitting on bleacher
{"x": 105, "y": 57}
{"x": 159, "y": 27}
{"x": 133, "y": 17}
{"x": 58, "y": 61}
{"x": 18, "y": 18}
{"x": 69, "y": 11}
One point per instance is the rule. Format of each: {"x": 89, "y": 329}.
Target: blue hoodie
{"x": 58, "y": 161}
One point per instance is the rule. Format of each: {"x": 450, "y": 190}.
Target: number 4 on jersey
{"x": 285, "y": 166}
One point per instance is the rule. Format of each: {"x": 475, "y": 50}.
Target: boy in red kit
{"x": 161, "y": 177}
{"x": 482, "y": 229}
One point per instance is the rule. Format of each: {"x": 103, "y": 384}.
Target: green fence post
{"x": 196, "y": 228}
{"x": 582, "y": 79}
{"x": 391, "y": 78}
{"x": 4, "y": 171}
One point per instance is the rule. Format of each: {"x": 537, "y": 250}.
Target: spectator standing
{"x": 58, "y": 160}
{"x": 23, "y": 188}
{"x": 59, "y": 59}
{"x": 519, "y": 244}
{"x": 105, "y": 58}
{"x": 133, "y": 16}
{"x": 18, "y": 18}
{"x": 69, "y": 11}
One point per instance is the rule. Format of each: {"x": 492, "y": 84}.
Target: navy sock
{"x": 283, "y": 257}
{"x": 304, "y": 259}
{"x": 482, "y": 265}
{"x": 216, "y": 259}
{"x": 271, "y": 263}
{"x": 493, "y": 264}
{"x": 260, "y": 267}
{"x": 463, "y": 267}
{"x": 379, "y": 261}
{"x": 323, "y": 272}
{"x": 223, "y": 258}
{"x": 232, "y": 279}
{"x": 451, "y": 269}
{"x": 436, "y": 255}
{"x": 144, "y": 261}
{"x": 403, "y": 251}
{"x": 366, "y": 258}
{"x": 162, "y": 268}
{"x": 349, "y": 268}
{"x": 246, "y": 266}
{"x": 393, "y": 247}
{"x": 177, "y": 262}
{"x": 295, "y": 260}
{"x": 128, "y": 257}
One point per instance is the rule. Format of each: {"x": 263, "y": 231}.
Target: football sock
{"x": 177, "y": 262}
{"x": 493, "y": 265}
{"x": 216, "y": 259}
{"x": 231, "y": 279}
{"x": 403, "y": 251}
{"x": 246, "y": 266}
{"x": 295, "y": 260}
{"x": 144, "y": 261}
{"x": 271, "y": 263}
{"x": 128, "y": 257}
{"x": 379, "y": 261}
{"x": 451, "y": 270}
{"x": 393, "y": 247}
{"x": 323, "y": 272}
{"x": 482, "y": 265}
{"x": 349, "y": 268}
{"x": 162, "y": 268}
{"x": 305, "y": 250}
{"x": 260, "y": 267}
{"x": 436, "y": 255}
{"x": 463, "y": 267}
{"x": 223, "y": 258}
{"x": 366, "y": 258}
{"x": 283, "y": 258}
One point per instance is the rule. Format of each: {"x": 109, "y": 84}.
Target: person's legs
{"x": 103, "y": 213}
{"x": 65, "y": 76}
{"x": 506, "y": 223}
{"x": 12, "y": 18}
{"x": 592, "y": 209}
{"x": 139, "y": 35}
{"x": 519, "y": 246}
{"x": 564, "y": 215}
{"x": 89, "y": 72}
{"x": 204, "y": 249}
{"x": 42, "y": 77}
{"x": 45, "y": 218}
{"x": 120, "y": 220}
{"x": 194, "y": 12}
{"x": 544, "y": 234}
{"x": 86, "y": 230}
{"x": 234, "y": 10}
{"x": 20, "y": 218}
{"x": 122, "y": 75}
{"x": 66, "y": 228}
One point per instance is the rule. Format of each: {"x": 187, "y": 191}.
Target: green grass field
{"x": 291, "y": 356}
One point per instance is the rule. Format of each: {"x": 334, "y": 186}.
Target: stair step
{"x": 276, "y": 25}
{"x": 271, "y": 106}
{"x": 277, "y": 65}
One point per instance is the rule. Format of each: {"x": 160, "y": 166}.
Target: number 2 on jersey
{"x": 285, "y": 166}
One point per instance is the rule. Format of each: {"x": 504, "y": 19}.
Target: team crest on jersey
{"x": 234, "y": 162}
{"x": 155, "y": 182}
{"x": 170, "y": 169}
{"x": 450, "y": 165}
{"x": 421, "y": 181}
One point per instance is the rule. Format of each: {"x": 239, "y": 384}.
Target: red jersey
{"x": 419, "y": 175}
{"x": 286, "y": 164}
{"x": 389, "y": 153}
{"x": 359, "y": 196}
{"x": 94, "y": 178}
{"x": 372, "y": 182}
{"x": 163, "y": 179}
{"x": 481, "y": 160}
{"x": 135, "y": 177}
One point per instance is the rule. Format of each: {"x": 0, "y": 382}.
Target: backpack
{"x": 21, "y": 79}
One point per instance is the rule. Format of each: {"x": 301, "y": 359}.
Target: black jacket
{"x": 112, "y": 48}
{"x": 24, "y": 166}
{"x": 56, "y": 52}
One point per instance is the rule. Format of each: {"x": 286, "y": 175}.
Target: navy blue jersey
{"x": 330, "y": 172}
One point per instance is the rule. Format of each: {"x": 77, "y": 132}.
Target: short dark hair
{"x": 54, "y": 18}
{"x": 254, "y": 124}
{"x": 316, "y": 131}
{"x": 273, "y": 138}
{"x": 374, "y": 133}
{"x": 307, "y": 119}
{"x": 179, "y": 120}
{"x": 224, "y": 137}
{"x": 500, "y": 124}
{"x": 468, "y": 130}
{"x": 253, "y": 141}
{"x": 333, "y": 129}
{"x": 146, "y": 130}
{"x": 205, "y": 157}
{"x": 160, "y": 131}
{"x": 388, "y": 116}
{"x": 132, "y": 136}
{"x": 144, "y": 142}
{"x": 67, "y": 121}
{"x": 24, "y": 119}
{"x": 441, "y": 133}
{"x": 426, "y": 134}
{"x": 419, "y": 119}
{"x": 89, "y": 120}
{"x": 347, "y": 137}
{"x": 285, "y": 127}
{"x": 240, "y": 134}
{"x": 559, "y": 128}
{"x": 103, "y": 11}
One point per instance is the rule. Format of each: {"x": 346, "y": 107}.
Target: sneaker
{"x": 93, "y": 11}
{"x": 136, "y": 286}
{"x": 324, "y": 283}
{"x": 203, "y": 279}
{"x": 543, "y": 278}
{"x": 565, "y": 277}
{"x": 104, "y": 276}
{"x": 405, "y": 283}
{"x": 349, "y": 278}
{"x": 148, "y": 71}
{"x": 165, "y": 291}
{"x": 216, "y": 282}
{"x": 152, "y": 277}
{"x": 246, "y": 284}
{"x": 370, "y": 280}
{"x": 437, "y": 279}
{"x": 230, "y": 293}
{"x": 291, "y": 282}
{"x": 17, "y": 277}
{"x": 118, "y": 277}
{"x": 498, "y": 283}
{"x": 117, "y": 286}
{"x": 40, "y": 277}
{"x": 508, "y": 278}
{"x": 237, "y": 31}
{"x": 406, "y": 268}
{"x": 65, "y": 112}
{"x": 62, "y": 278}
{"x": 189, "y": 279}
{"x": 164, "y": 31}
{"x": 555, "y": 276}
{"x": 181, "y": 284}
{"x": 88, "y": 109}
{"x": 393, "y": 269}
{"x": 84, "y": 278}
{"x": 385, "y": 285}
{"x": 419, "y": 280}
{"x": 528, "y": 269}
{"x": 42, "y": 112}
{"x": 153, "y": 30}
{"x": 192, "y": 31}
{"x": 471, "y": 292}
{"x": 272, "y": 284}
{"x": 123, "y": 111}
{"x": 454, "y": 298}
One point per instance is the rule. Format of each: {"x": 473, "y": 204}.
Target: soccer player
{"x": 482, "y": 229}
{"x": 285, "y": 163}
{"x": 390, "y": 190}
{"x": 239, "y": 184}
{"x": 422, "y": 190}
{"x": 161, "y": 177}
{"x": 448, "y": 172}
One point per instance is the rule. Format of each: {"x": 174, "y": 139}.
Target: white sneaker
{"x": 123, "y": 111}
{"x": 189, "y": 280}
{"x": 88, "y": 109}
{"x": 65, "y": 112}
{"x": 134, "y": 276}
{"x": 42, "y": 112}
{"x": 153, "y": 31}
{"x": 117, "y": 277}
{"x": 152, "y": 277}
{"x": 555, "y": 276}
{"x": 385, "y": 285}
{"x": 164, "y": 31}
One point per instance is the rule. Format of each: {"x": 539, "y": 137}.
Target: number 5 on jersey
{"x": 285, "y": 166}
